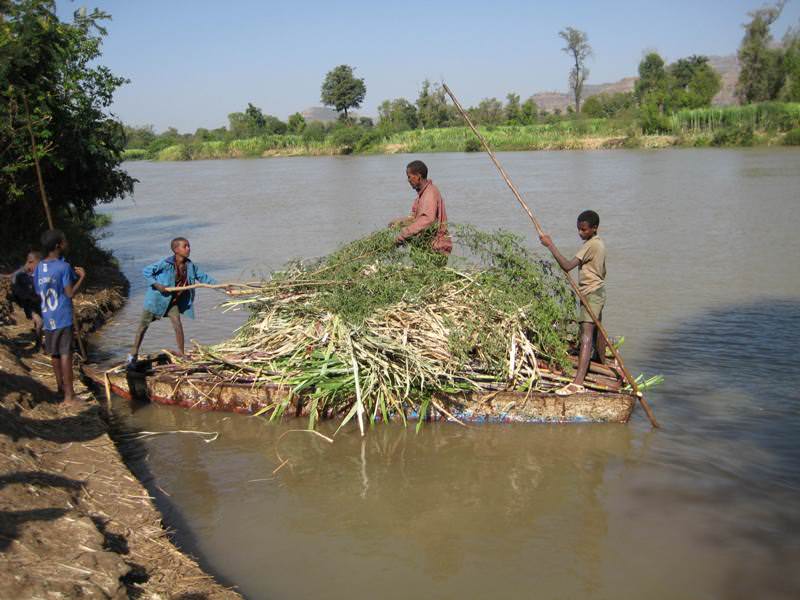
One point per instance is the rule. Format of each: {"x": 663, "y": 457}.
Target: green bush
{"x": 369, "y": 139}
{"x": 135, "y": 154}
{"x": 792, "y": 138}
{"x": 472, "y": 145}
{"x": 733, "y": 136}
{"x": 176, "y": 152}
{"x": 346, "y": 138}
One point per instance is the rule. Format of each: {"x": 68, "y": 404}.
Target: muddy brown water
{"x": 704, "y": 284}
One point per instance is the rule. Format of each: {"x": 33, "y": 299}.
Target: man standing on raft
{"x": 428, "y": 208}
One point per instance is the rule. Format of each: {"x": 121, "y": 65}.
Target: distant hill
{"x": 726, "y": 66}
{"x": 320, "y": 113}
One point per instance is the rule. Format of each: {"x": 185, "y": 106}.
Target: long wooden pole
{"x": 628, "y": 377}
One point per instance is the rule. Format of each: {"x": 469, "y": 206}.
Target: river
{"x": 703, "y": 283}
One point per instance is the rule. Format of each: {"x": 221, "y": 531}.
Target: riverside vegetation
{"x": 767, "y": 123}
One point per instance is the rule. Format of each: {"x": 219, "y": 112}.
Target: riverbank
{"x": 766, "y": 124}
{"x": 74, "y": 521}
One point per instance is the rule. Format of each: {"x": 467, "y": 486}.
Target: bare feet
{"x": 570, "y": 389}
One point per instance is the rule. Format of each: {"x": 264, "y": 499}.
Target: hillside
{"x": 726, "y": 66}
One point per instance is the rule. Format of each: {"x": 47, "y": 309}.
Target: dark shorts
{"x": 148, "y": 317}
{"x": 31, "y": 309}
{"x": 58, "y": 342}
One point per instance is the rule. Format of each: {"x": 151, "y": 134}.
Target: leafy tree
{"x": 255, "y": 116}
{"x": 314, "y": 132}
{"x": 297, "y": 123}
{"x": 432, "y": 107}
{"x": 488, "y": 112}
{"x": 139, "y": 137}
{"x": 759, "y": 75}
{"x": 342, "y": 90}
{"x": 652, "y": 84}
{"x": 513, "y": 110}
{"x": 579, "y": 50}
{"x": 273, "y": 125}
{"x": 397, "y": 115}
{"x": 790, "y": 90}
{"x": 608, "y": 106}
{"x": 693, "y": 83}
{"x": 530, "y": 112}
{"x": 52, "y": 88}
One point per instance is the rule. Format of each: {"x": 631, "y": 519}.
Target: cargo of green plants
{"x": 380, "y": 330}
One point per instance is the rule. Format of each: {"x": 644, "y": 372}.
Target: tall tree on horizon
{"x": 579, "y": 49}
{"x": 760, "y": 75}
{"x": 343, "y": 90}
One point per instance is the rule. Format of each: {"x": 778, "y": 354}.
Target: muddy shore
{"x": 74, "y": 520}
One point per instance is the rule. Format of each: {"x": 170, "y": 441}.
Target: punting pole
{"x": 572, "y": 283}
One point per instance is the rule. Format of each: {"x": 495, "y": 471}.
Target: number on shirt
{"x": 49, "y": 300}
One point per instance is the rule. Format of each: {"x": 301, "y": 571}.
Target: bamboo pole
{"x": 628, "y": 377}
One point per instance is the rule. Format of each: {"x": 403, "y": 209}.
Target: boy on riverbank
{"x": 57, "y": 282}
{"x": 591, "y": 263}
{"x": 173, "y": 271}
{"x": 24, "y": 294}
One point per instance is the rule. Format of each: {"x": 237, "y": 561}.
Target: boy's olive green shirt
{"x": 592, "y": 270}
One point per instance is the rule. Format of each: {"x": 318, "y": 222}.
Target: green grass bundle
{"x": 374, "y": 329}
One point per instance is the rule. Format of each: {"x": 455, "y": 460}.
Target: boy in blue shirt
{"x": 57, "y": 282}
{"x": 174, "y": 271}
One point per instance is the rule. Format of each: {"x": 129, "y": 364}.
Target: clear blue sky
{"x": 191, "y": 62}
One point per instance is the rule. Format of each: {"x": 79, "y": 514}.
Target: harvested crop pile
{"x": 374, "y": 329}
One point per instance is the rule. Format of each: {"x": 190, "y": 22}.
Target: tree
{"x": 652, "y": 83}
{"x": 759, "y": 75}
{"x": 342, "y": 90}
{"x": 397, "y": 115}
{"x": 297, "y": 123}
{"x": 53, "y": 89}
{"x": 693, "y": 83}
{"x": 579, "y": 49}
{"x": 607, "y": 106}
{"x": 432, "y": 107}
{"x": 488, "y": 112}
{"x": 790, "y": 90}
{"x": 530, "y": 112}
{"x": 513, "y": 110}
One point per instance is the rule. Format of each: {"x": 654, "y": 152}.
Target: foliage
{"x": 397, "y": 115}
{"x": 433, "y": 110}
{"x": 253, "y": 122}
{"x": 608, "y": 105}
{"x": 579, "y": 50}
{"x": 790, "y": 90}
{"x": 488, "y": 112}
{"x": 389, "y": 327}
{"x": 741, "y": 135}
{"x": 766, "y": 116}
{"x": 693, "y": 83}
{"x": 342, "y": 90}
{"x": 792, "y": 138}
{"x": 51, "y": 85}
{"x": 759, "y": 75}
{"x": 347, "y": 138}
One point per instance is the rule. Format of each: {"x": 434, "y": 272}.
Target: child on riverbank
{"x": 24, "y": 294}
{"x": 591, "y": 263}
{"x": 57, "y": 282}
{"x": 173, "y": 271}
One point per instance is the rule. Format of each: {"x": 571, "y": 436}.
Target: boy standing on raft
{"x": 428, "y": 208}
{"x": 57, "y": 282}
{"x": 591, "y": 263}
{"x": 174, "y": 271}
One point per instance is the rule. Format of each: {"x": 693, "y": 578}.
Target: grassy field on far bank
{"x": 768, "y": 123}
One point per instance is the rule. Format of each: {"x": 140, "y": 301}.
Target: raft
{"x": 198, "y": 392}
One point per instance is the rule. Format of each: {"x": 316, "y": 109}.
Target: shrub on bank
{"x": 792, "y": 138}
{"x": 135, "y": 154}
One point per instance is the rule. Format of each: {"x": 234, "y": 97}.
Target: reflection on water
{"x": 701, "y": 284}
